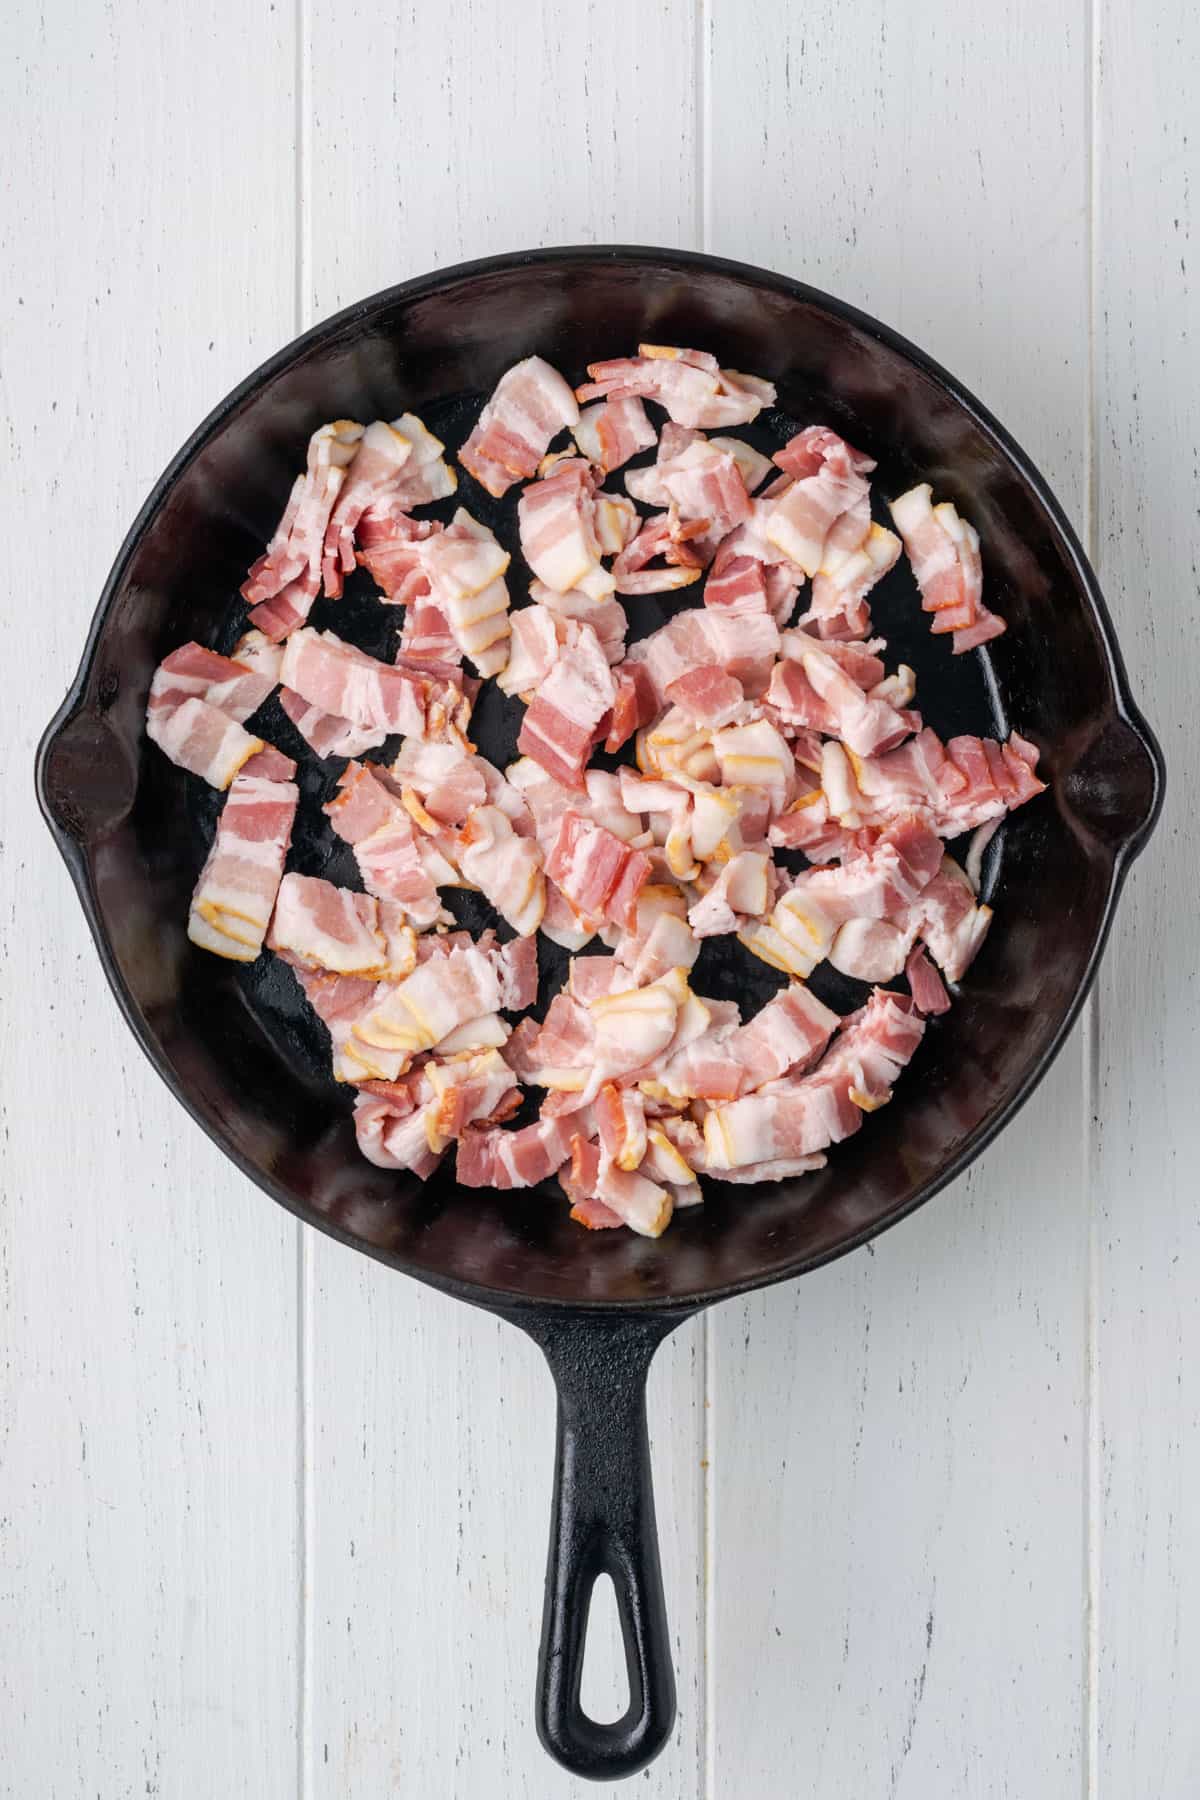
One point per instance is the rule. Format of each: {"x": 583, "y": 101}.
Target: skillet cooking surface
{"x": 240, "y": 1046}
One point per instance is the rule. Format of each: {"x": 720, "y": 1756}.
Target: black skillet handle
{"x": 603, "y": 1523}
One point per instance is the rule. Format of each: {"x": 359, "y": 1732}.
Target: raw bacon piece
{"x": 533, "y": 651}
{"x": 708, "y": 695}
{"x": 944, "y": 552}
{"x": 926, "y": 984}
{"x": 788, "y": 1033}
{"x": 840, "y": 587}
{"x": 682, "y": 545}
{"x": 557, "y": 522}
{"x": 440, "y": 995}
{"x": 829, "y": 480}
{"x": 950, "y": 920}
{"x": 255, "y": 651}
{"x": 192, "y": 672}
{"x": 606, "y": 616}
{"x": 270, "y": 764}
{"x": 866, "y": 726}
{"x": 745, "y": 646}
{"x": 468, "y": 1088}
{"x": 561, "y": 725}
{"x": 342, "y": 680}
{"x": 389, "y": 548}
{"x": 321, "y": 926}
{"x": 744, "y": 889}
{"x": 373, "y": 476}
{"x": 390, "y": 1125}
{"x": 634, "y": 705}
{"x": 530, "y": 405}
{"x": 283, "y": 583}
{"x": 203, "y": 740}
{"x": 506, "y": 869}
{"x": 394, "y": 864}
{"x": 324, "y": 734}
{"x": 337, "y": 1000}
{"x": 598, "y": 874}
{"x": 688, "y": 383}
{"x": 796, "y": 1118}
{"x": 426, "y": 475}
{"x": 515, "y": 1159}
{"x": 465, "y": 568}
{"x": 612, "y": 431}
{"x": 235, "y": 895}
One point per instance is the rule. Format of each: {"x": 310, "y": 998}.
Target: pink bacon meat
{"x": 598, "y": 875}
{"x": 236, "y": 892}
{"x": 284, "y": 582}
{"x": 561, "y": 726}
{"x": 530, "y": 405}
{"x": 688, "y": 383}
{"x": 944, "y": 552}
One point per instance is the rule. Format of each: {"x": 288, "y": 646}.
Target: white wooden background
{"x": 272, "y": 1520}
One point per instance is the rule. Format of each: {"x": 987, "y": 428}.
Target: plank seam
{"x": 306, "y": 1524}
{"x": 1091, "y": 1015}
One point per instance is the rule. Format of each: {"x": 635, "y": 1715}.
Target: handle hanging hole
{"x": 604, "y": 1683}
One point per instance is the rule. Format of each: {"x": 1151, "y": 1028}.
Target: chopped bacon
{"x": 203, "y": 740}
{"x": 529, "y": 406}
{"x": 744, "y": 889}
{"x": 506, "y": 868}
{"x": 944, "y": 552}
{"x": 255, "y": 651}
{"x": 964, "y": 783}
{"x": 337, "y": 1000}
{"x": 235, "y": 894}
{"x": 866, "y": 726}
{"x": 325, "y": 927}
{"x": 800, "y": 1117}
{"x": 598, "y": 874}
{"x": 687, "y": 383}
{"x": 392, "y": 1134}
{"x": 344, "y": 681}
{"x": 481, "y": 1086}
{"x": 373, "y": 476}
{"x": 950, "y": 920}
{"x": 415, "y": 1014}
{"x": 389, "y": 547}
{"x": 514, "y": 1159}
{"x": 925, "y": 983}
{"x": 198, "y": 702}
{"x": 533, "y": 651}
{"x": 283, "y": 583}
{"x": 557, "y": 522}
{"x": 270, "y": 764}
{"x": 605, "y": 616}
{"x": 324, "y": 734}
{"x": 561, "y": 725}
{"x": 634, "y": 705}
{"x": 192, "y": 672}
{"x": 829, "y": 479}
{"x": 393, "y": 862}
{"x": 465, "y": 568}
{"x": 840, "y": 588}
{"x": 708, "y": 695}
{"x": 612, "y": 431}
{"x": 745, "y": 646}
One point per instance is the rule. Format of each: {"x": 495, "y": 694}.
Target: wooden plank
{"x": 431, "y": 1426}
{"x": 896, "y": 1443}
{"x": 1146, "y": 1637}
{"x": 148, "y": 1423}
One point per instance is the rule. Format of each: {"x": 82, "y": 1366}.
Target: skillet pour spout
{"x": 243, "y": 1056}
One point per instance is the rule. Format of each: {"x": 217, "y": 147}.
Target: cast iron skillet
{"x": 238, "y": 1049}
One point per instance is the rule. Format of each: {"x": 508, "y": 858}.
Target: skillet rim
{"x": 328, "y": 331}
